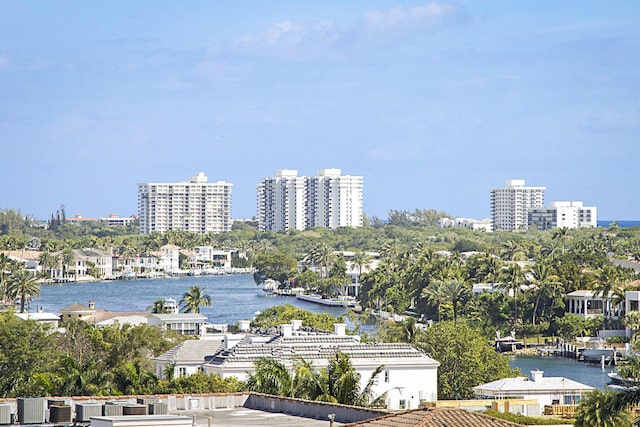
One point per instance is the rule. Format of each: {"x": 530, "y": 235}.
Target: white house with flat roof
{"x": 546, "y": 390}
{"x": 409, "y": 374}
{"x": 183, "y": 323}
{"x": 586, "y": 303}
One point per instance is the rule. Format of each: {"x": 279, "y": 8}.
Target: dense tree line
{"x": 86, "y": 360}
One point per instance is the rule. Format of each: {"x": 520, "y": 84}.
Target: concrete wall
{"x": 193, "y": 403}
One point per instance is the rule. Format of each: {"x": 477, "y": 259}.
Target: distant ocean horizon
{"x": 621, "y": 223}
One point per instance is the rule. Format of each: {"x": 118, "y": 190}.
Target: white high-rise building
{"x": 197, "y": 206}
{"x": 510, "y": 206}
{"x": 329, "y": 200}
{"x": 563, "y": 214}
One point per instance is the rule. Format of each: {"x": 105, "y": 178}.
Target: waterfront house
{"x": 29, "y": 259}
{"x": 77, "y": 311}
{"x": 49, "y": 320}
{"x": 183, "y": 323}
{"x": 546, "y": 390}
{"x": 169, "y": 258}
{"x": 585, "y": 303}
{"x": 409, "y": 376}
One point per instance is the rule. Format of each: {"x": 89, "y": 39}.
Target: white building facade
{"x": 197, "y": 206}
{"x": 510, "y": 206}
{"x": 330, "y": 200}
{"x": 563, "y": 214}
{"x": 409, "y": 375}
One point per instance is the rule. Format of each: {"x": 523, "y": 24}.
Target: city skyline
{"x": 433, "y": 103}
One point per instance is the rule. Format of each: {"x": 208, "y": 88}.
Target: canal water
{"x": 233, "y": 297}
{"x": 585, "y": 373}
{"x": 236, "y": 297}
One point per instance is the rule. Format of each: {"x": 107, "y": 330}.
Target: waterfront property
{"x": 409, "y": 377}
{"x": 510, "y": 206}
{"x": 563, "y": 214}
{"x": 187, "y": 357}
{"x": 545, "y": 390}
{"x": 586, "y": 303}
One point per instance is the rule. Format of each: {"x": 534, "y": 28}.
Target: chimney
{"x": 92, "y": 305}
{"x": 339, "y": 329}
{"x": 536, "y": 375}
{"x": 296, "y": 324}
{"x": 244, "y": 325}
{"x": 285, "y": 330}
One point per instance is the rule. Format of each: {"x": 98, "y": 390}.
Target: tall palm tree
{"x": 193, "y": 299}
{"x": 6, "y": 265}
{"x": 512, "y": 251}
{"x": 66, "y": 257}
{"x": 543, "y": 277}
{"x": 561, "y": 234}
{"x": 322, "y": 255}
{"x": 434, "y": 295}
{"x": 48, "y": 261}
{"x": 607, "y": 280}
{"x": 513, "y": 278}
{"x": 455, "y": 291}
{"x": 23, "y": 284}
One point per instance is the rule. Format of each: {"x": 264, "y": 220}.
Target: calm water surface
{"x": 233, "y": 297}
{"x": 585, "y": 373}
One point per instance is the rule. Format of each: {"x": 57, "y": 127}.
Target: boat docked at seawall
{"x": 508, "y": 343}
{"x": 596, "y": 354}
{"x": 331, "y": 302}
{"x": 620, "y": 381}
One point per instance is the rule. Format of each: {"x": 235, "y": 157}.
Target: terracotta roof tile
{"x": 435, "y": 417}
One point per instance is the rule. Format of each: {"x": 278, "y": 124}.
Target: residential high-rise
{"x": 563, "y": 214}
{"x": 510, "y": 206}
{"x": 330, "y": 200}
{"x": 197, "y": 206}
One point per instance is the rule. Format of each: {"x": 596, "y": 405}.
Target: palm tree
{"x": 23, "y": 284}
{"x": 455, "y": 290}
{"x": 270, "y": 377}
{"x": 322, "y": 255}
{"x": 512, "y": 279}
{"x": 606, "y": 409}
{"x": 6, "y": 265}
{"x": 434, "y": 295}
{"x": 361, "y": 260}
{"x": 512, "y": 251}
{"x": 158, "y": 307}
{"x": 193, "y": 299}
{"x": 561, "y": 234}
{"x": 545, "y": 281}
{"x": 608, "y": 280}
{"x": 48, "y": 261}
{"x": 66, "y": 257}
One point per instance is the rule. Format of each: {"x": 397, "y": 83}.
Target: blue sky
{"x": 434, "y": 103}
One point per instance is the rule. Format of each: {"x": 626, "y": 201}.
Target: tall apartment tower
{"x": 329, "y": 200}
{"x": 281, "y": 201}
{"x": 510, "y": 206}
{"x": 197, "y": 206}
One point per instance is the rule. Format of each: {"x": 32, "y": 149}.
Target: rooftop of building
{"x": 435, "y": 417}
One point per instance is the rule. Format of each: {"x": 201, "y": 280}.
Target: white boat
{"x": 595, "y": 354}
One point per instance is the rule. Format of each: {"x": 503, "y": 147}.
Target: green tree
{"x": 24, "y": 285}
{"x": 465, "y": 359}
{"x": 193, "y": 299}
{"x": 158, "y": 307}
{"x": 607, "y": 280}
{"x": 455, "y": 291}
{"x": 283, "y": 314}
{"x": 597, "y": 410}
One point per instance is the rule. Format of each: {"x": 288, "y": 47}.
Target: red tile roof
{"x": 435, "y": 417}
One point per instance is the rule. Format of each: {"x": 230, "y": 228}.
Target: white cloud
{"x": 323, "y": 38}
{"x": 399, "y": 17}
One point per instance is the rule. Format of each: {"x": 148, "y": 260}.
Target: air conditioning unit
{"x": 31, "y": 410}
{"x": 5, "y": 414}
{"x": 112, "y": 410}
{"x": 60, "y": 414}
{"x": 84, "y": 411}
{"x": 158, "y": 408}
{"x": 134, "y": 410}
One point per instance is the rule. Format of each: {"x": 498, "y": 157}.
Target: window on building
{"x": 386, "y": 375}
{"x": 402, "y": 404}
{"x": 182, "y": 372}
